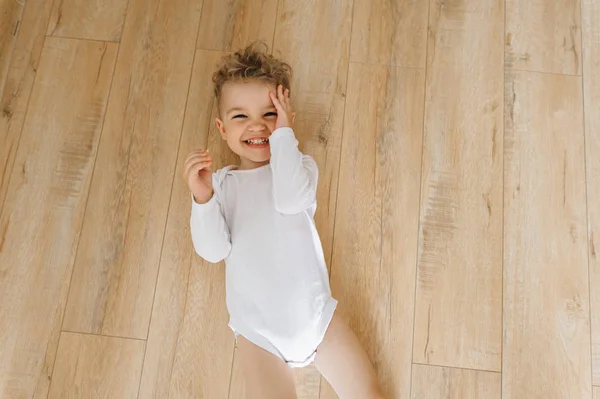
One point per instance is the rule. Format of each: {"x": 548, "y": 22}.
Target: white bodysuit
{"x": 261, "y": 222}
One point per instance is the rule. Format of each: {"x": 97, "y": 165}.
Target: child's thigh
{"x": 344, "y": 363}
{"x": 266, "y": 376}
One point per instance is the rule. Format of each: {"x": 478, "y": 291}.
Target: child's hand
{"x": 198, "y": 175}
{"x": 283, "y": 105}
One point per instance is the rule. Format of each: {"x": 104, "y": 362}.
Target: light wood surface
{"x": 460, "y": 236}
{"x": 228, "y": 26}
{"x": 46, "y": 198}
{"x": 205, "y": 346}
{"x": 178, "y": 358}
{"x": 117, "y": 262}
{"x": 591, "y": 91}
{"x": 434, "y": 382}
{"x": 19, "y": 82}
{"x": 544, "y": 36}
{"x": 373, "y": 272}
{"x": 91, "y": 19}
{"x": 82, "y": 358}
{"x": 177, "y": 258}
{"x": 10, "y": 15}
{"x": 390, "y": 32}
{"x": 458, "y": 149}
{"x": 546, "y": 298}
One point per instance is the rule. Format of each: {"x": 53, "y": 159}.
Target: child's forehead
{"x": 247, "y": 87}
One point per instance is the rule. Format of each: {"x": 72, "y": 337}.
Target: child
{"x": 258, "y": 216}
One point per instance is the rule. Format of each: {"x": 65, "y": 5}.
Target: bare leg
{"x": 267, "y": 376}
{"x": 344, "y": 363}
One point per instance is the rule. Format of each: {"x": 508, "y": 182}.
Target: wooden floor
{"x": 458, "y": 143}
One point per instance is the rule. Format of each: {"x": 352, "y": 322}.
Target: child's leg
{"x": 344, "y": 363}
{"x": 266, "y": 376}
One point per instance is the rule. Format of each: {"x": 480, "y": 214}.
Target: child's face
{"x": 247, "y": 113}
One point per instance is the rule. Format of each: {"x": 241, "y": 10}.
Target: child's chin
{"x": 258, "y": 156}
{"x": 259, "y": 159}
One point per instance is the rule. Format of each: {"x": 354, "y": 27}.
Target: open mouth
{"x": 257, "y": 143}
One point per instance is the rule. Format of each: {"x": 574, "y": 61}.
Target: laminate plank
{"x": 91, "y": 19}
{"x": 231, "y": 25}
{"x": 546, "y": 346}
{"x": 205, "y": 346}
{"x": 432, "y": 382}
{"x": 374, "y": 256}
{"x": 458, "y": 313}
{"x": 591, "y": 94}
{"x": 544, "y": 36}
{"x": 45, "y": 203}
{"x": 90, "y": 366}
{"x": 19, "y": 82}
{"x": 170, "y": 314}
{"x": 10, "y": 16}
{"x": 390, "y": 32}
{"x": 115, "y": 273}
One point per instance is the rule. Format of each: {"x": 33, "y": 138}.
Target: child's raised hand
{"x": 198, "y": 175}
{"x": 283, "y": 105}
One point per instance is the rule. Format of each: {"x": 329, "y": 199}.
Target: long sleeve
{"x": 210, "y": 234}
{"x": 295, "y": 175}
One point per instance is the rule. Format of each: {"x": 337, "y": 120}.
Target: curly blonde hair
{"x": 251, "y": 62}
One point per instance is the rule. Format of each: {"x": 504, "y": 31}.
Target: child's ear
{"x": 221, "y": 127}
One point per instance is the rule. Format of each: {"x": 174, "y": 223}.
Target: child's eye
{"x": 271, "y": 114}
{"x": 239, "y": 116}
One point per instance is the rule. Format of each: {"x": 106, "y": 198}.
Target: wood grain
{"x": 89, "y": 366}
{"x": 204, "y": 355}
{"x": 429, "y": 382}
{"x": 390, "y": 32}
{"x": 546, "y": 350}
{"x": 544, "y": 36}
{"x": 590, "y": 10}
{"x": 10, "y": 16}
{"x": 203, "y": 336}
{"x": 459, "y": 282}
{"x": 46, "y": 202}
{"x": 117, "y": 261}
{"x": 591, "y": 92}
{"x": 374, "y": 257}
{"x": 178, "y": 254}
{"x": 18, "y": 84}
{"x": 233, "y": 24}
{"x": 91, "y": 19}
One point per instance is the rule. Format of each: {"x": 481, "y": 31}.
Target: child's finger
{"x": 195, "y": 153}
{"x": 276, "y": 102}
{"x": 196, "y": 158}
{"x": 196, "y": 166}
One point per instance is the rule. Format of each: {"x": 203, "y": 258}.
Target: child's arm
{"x": 210, "y": 233}
{"x": 295, "y": 175}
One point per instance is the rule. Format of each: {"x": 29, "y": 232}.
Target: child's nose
{"x": 257, "y": 126}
